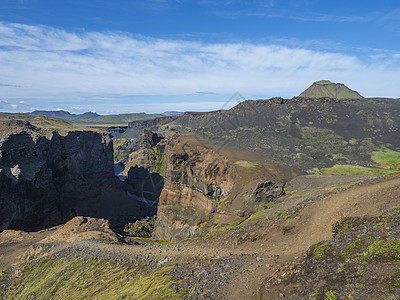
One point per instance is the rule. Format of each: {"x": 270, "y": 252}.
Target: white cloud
{"x": 50, "y": 63}
{"x": 13, "y": 106}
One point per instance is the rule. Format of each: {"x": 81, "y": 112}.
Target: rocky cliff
{"x": 145, "y": 169}
{"x": 51, "y": 171}
{"x": 278, "y": 138}
{"x": 204, "y": 186}
{"x": 196, "y": 180}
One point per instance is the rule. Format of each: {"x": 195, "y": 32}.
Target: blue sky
{"x": 118, "y": 56}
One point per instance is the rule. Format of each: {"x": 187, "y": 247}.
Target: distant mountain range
{"x": 326, "y": 88}
{"x": 172, "y": 113}
{"x": 319, "y": 89}
{"x": 92, "y": 118}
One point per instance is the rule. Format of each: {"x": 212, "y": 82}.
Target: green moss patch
{"x": 385, "y": 249}
{"x": 122, "y": 148}
{"x": 387, "y": 159}
{"x": 353, "y": 170}
{"x": 159, "y": 160}
{"x": 141, "y": 228}
{"x": 361, "y": 261}
{"x": 316, "y": 251}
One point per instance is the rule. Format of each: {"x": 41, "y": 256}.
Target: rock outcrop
{"x": 203, "y": 185}
{"x": 49, "y": 176}
{"x": 196, "y": 180}
{"x": 145, "y": 167}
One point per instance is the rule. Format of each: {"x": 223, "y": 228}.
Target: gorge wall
{"x": 205, "y": 186}
{"x": 196, "y": 180}
{"x": 278, "y": 139}
{"x": 49, "y": 176}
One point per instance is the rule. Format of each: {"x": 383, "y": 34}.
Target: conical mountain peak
{"x": 326, "y": 88}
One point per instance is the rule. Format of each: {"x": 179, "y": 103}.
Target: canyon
{"x": 243, "y": 203}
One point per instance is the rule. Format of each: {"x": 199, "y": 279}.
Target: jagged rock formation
{"x": 144, "y": 169}
{"x": 326, "y": 88}
{"x": 196, "y": 179}
{"x": 47, "y": 177}
{"x": 136, "y": 128}
{"x": 202, "y": 185}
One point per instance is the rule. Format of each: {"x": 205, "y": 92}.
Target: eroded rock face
{"x": 267, "y": 192}
{"x": 46, "y": 181}
{"x": 144, "y": 168}
{"x": 196, "y": 179}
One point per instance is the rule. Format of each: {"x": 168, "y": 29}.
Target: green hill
{"x": 326, "y": 88}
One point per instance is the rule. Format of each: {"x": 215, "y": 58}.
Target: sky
{"x": 121, "y": 56}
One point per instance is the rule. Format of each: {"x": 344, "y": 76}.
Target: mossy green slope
{"x": 326, "y": 88}
{"x": 78, "y": 278}
{"x": 42, "y": 126}
{"x": 353, "y": 170}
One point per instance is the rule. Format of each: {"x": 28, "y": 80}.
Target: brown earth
{"x": 235, "y": 261}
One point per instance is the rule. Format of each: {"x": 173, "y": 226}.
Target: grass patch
{"x": 330, "y": 295}
{"x": 259, "y": 212}
{"x": 5, "y": 272}
{"x": 73, "y": 278}
{"x": 353, "y": 170}
{"x": 141, "y": 228}
{"x": 342, "y": 226}
{"x": 387, "y": 159}
{"x": 122, "y": 148}
{"x": 47, "y": 126}
{"x": 384, "y": 249}
{"x": 316, "y": 251}
{"x": 103, "y": 125}
{"x": 248, "y": 164}
{"x": 159, "y": 160}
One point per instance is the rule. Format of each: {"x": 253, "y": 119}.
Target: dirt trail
{"x": 226, "y": 266}
{"x": 314, "y": 223}
{"x": 289, "y": 239}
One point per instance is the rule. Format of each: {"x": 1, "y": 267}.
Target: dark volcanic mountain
{"x": 325, "y": 88}
{"x": 302, "y": 133}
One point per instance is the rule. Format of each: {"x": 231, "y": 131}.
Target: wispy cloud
{"x": 48, "y": 63}
{"x": 14, "y": 106}
{"x": 10, "y": 85}
{"x": 290, "y": 15}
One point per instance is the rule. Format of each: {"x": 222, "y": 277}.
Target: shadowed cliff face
{"x": 51, "y": 171}
{"x": 144, "y": 169}
{"x": 44, "y": 181}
